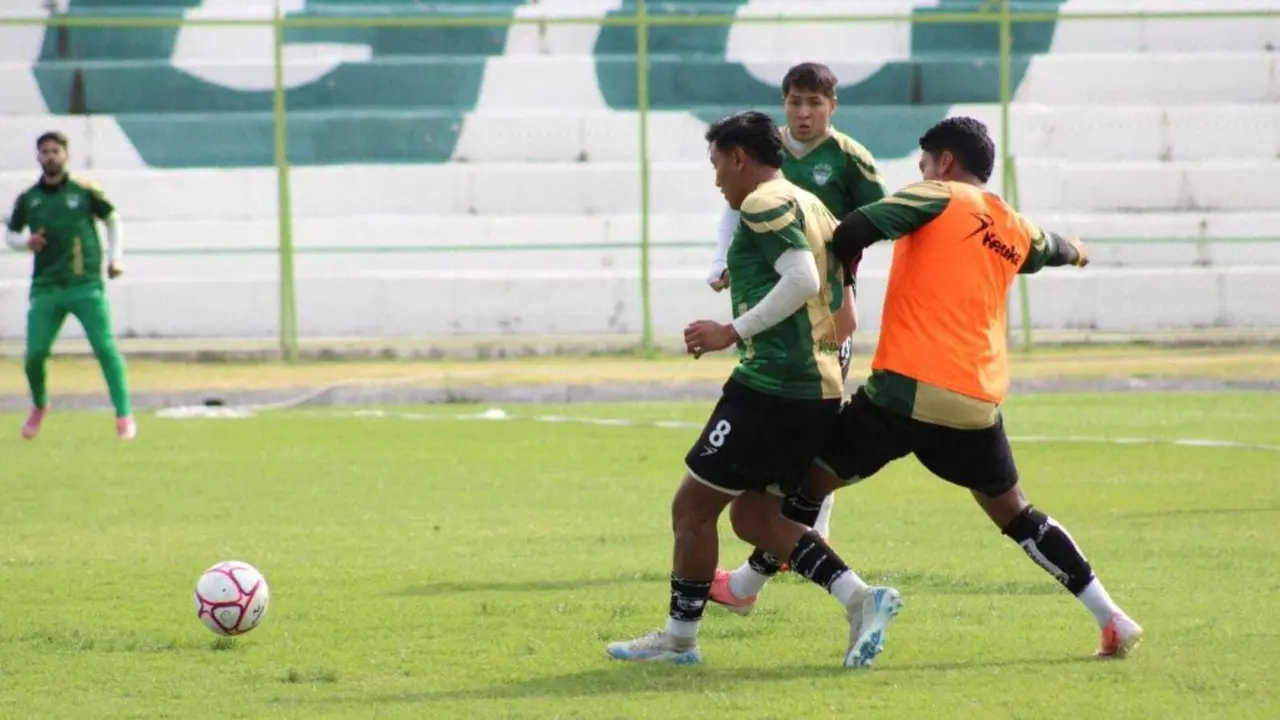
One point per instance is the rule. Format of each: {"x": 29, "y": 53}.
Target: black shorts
{"x": 867, "y": 437}
{"x": 754, "y": 440}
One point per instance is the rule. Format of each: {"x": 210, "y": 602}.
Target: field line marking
{"x": 500, "y": 415}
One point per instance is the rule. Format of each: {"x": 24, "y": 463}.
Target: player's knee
{"x": 689, "y": 510}
{"x": 35, "y": 360}
{"x": 103, "y": 346}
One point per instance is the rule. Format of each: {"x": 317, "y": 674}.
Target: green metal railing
{"x": 999, "y": 12}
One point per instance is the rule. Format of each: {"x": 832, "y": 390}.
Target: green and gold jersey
{"x": 65, "y": 214}
{"x": 798, "y": 357}
{"x": 841, "y": 172}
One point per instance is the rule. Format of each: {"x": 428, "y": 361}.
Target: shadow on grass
{"x": 528, "y": 586}
{"x": 621, "y": 679}
{"x": 912, "y": 582}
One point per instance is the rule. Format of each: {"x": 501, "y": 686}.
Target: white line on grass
{"x": 500, "y": 415}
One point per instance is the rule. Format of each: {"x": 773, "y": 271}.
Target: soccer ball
{"x": 231, "y": 598}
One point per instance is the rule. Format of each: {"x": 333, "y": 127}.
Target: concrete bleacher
{"x": 476, "y": 149}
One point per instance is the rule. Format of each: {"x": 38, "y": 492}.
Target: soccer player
{"x": 61, "y": 214}
{"x": 941, "y": 369}
{"x": 779, "y": 404}
{"x": 841, "y": 173}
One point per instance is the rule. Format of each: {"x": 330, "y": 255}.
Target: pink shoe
{"x": 126, "y": 428}
{"x": 1119, "y": 637}
{"x": 724, "y": 597}
{"x": 32, "y": 427}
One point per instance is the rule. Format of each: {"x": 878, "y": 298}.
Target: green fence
{"x": 991, "y": 12}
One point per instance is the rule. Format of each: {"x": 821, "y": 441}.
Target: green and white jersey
{"x": 839, "y": 170}
{"x": 65, "y": 214}
{"x": 798, "y": 357}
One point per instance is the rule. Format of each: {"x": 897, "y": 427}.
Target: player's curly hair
{"x": 967, "y": 140}
{"x": 753, "y": 131}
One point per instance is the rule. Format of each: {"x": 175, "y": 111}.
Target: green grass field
{"x": 473, "y": 569}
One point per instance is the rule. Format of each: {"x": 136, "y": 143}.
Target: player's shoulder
{"x": 1031, "y": 230}
{"x": 852, "y": 148}
{"x": 87, "y": 183}
{"x": 928, "y": 190}
{"x": 772, "y": 198}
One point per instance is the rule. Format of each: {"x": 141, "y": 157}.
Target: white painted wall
{"x": 1147, "y": 129}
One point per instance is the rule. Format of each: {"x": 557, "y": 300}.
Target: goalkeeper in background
{"x": 61, "y": 213}
{"x": 832, "y": 166}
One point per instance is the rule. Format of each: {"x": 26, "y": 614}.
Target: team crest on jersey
{"x": 821, "y": 174}
{"x": 73, "y": 201}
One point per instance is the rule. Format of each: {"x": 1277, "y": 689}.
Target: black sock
{"x": 688, "y": 599}
{"x": 1049, "y": 546}
{"x": 814, "y": 559}
{"x": 797, "y": 507}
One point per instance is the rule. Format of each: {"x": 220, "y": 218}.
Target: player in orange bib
{"x": 941, "y": 369}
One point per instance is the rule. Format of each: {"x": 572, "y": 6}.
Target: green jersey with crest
{"x": 840, "y": 171}
{"x": 798, "y": 357}
{"x": 65, "y": 214}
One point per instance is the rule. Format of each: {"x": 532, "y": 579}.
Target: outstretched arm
{"x": 1049, "y": 249}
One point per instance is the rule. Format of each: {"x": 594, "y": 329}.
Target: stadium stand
{"x": 445, "y": 140}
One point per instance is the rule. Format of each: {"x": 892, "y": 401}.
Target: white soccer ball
{"x": 231, "y": 598}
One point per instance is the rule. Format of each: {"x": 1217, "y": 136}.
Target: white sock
{"x": 682, "y": 629}
{"x": 845, "y": 586}
{"x": 745, "y": 582}
{"x": 823, "y": 523}
{"x": 1095, "y": 597}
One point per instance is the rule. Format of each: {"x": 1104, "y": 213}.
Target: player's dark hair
{"x": 52, "y": 136}
{"x": 810, "y": 77}
{"x": 967, "y": 140}
{"x": 753, "y": 131}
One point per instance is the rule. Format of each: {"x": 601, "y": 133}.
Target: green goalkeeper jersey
{"x": 840, "y": 171}
{"x": 65, "y": 214}
{"x": 798, "y": 357}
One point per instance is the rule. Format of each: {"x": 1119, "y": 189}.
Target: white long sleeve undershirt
{"x": 115, "y": 238}
{"x": 724, "y": 236}
{"x": 799, "y": 281}
{"x": 16, "y": 240}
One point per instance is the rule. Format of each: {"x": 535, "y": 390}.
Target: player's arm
{"x": 104, "y": 210}
{"x": 847, "y": 318}
{"x": 1049, "y": 249}
{"x": 778, "y": 232}
{"x": 724, "y": 236}
{"x": 903, "y": 212}
{"x": 14, "y": 236}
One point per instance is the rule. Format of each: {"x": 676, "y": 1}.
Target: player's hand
{"x": 719, "y": 277}
{"x": 36, "y": 242}
{"x": 114, "y": 271}
{"x": 1075, "y": 242}
{"x": 704, "y": 336}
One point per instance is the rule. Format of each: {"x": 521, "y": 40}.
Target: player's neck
{"x": 54, "y": 180}
{"x": 967, "y": 179}
{"x": 797, "y": 145}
